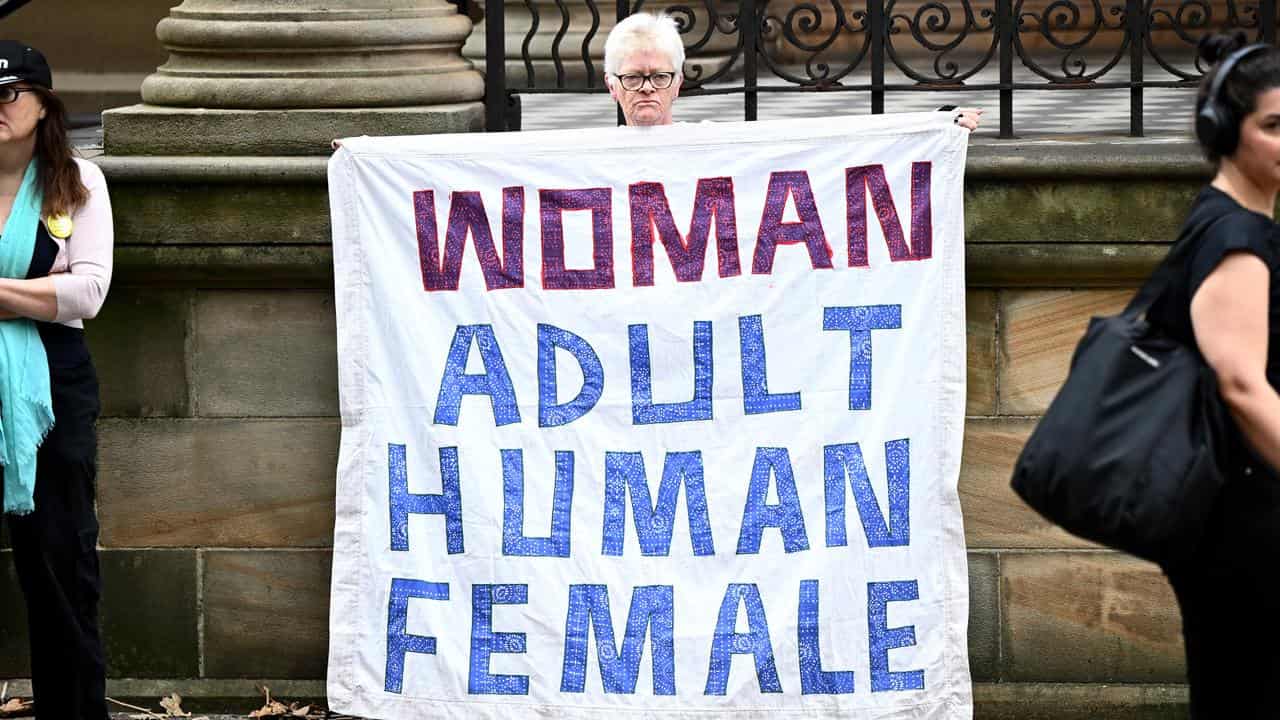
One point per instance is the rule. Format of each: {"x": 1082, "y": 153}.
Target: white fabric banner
{"x": 652, "y": 422}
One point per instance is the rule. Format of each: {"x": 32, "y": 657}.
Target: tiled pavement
{"x": 1167, "y": 111}
{"x": 1036, "y": 113}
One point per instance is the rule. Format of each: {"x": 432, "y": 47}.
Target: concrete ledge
{"x": 992, "y": 701}
{"x": 311, "y": 266}
{"x": 153, "y": 130}
{"x": 225, "y": 266}
{"x": 1060, "y": 265}
{"x": 1083, "y": 158}
{"x": 198, "y": 696}
{"x": 1086, "y": 157}
{"x": 207, "y": 169}
{"x": 1060, "y": 701}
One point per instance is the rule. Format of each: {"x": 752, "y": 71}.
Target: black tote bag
{"x": 1127, "y": 455}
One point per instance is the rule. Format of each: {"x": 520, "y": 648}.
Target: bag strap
{"x": 1169, "y": 270}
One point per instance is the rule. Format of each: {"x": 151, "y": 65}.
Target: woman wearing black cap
{"x": 55, "y": 266}
{"x": 1228, "y": 305}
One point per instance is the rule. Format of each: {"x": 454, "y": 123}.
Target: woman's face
{"x": 647, "y": 105}
{"x": 1258, "y": 155}
{"x": 19, "y": 119}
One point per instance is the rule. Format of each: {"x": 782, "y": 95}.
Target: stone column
{"x": 284, "y": 77}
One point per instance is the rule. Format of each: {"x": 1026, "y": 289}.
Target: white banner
{"x": 652, "y": 422}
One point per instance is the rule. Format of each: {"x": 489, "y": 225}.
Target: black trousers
{"x": 1229, "y": 594}
{"x": 55, "y": 547}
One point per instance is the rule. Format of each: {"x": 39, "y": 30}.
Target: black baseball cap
{"x": 20, "y": 62}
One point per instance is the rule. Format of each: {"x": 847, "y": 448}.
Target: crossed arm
{"x": 76, "y": 290}
{"x": 35, "y": 298}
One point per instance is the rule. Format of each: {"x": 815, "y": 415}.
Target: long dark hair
{"x": 64, "y": 192}
{"x": 1250, "y": 77}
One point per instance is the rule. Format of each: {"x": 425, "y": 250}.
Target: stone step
{"x": 992, "y": 701}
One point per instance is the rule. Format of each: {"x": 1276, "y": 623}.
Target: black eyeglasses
{"x": 635, "y": 81}
{"x": 9, "y": 93}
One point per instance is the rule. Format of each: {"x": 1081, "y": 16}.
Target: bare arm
{"x": 1229, "y": 315}
{"x": 29, "y": 298}
{"x": 34, "y": 298}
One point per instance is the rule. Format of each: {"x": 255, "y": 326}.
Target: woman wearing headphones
{"x": 55, "y": 265}
{"x": 1228, "y": 305}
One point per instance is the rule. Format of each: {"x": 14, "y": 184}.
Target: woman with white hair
{"x": 643, "y": 57}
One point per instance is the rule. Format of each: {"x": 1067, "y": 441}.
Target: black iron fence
{"x": 876, "y": 47}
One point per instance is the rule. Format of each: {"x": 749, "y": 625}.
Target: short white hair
{"x": 643, "y": 31}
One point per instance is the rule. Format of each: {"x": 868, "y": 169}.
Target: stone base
{"x": 156, "y": 130}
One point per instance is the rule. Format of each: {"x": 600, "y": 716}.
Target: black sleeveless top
{"x": 1234, "y": 229}
{"x": 46, "y": 251}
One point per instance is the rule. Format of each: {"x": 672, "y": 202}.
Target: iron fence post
{"x": 624, "y": 9}
{"x": 1006, "y": 26}
{"x": 875, "y": 17}
{"x": 1136, "y": 27}
{"x": 495, "y": 67}
{"x": 750, "y": 29}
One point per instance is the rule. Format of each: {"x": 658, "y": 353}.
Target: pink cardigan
{"x": 82, "y": 269}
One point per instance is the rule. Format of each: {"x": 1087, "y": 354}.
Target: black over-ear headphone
{"x": 1217, "y": 127}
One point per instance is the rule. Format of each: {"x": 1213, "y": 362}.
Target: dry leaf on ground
{"x": 173, "y": 705}
{"x": 273, "y": 708}
{"x": 278, "y": 709}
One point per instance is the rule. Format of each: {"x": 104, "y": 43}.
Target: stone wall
{"x": 219, "y": 431}
{"x": 1082, "y": 631}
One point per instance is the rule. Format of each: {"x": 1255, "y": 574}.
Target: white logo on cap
{"x": 4, "y": 64}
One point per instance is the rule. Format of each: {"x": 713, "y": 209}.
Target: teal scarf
{"x": 26, "y": 406}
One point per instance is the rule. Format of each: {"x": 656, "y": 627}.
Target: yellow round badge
{"x": 59, "y": 226}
